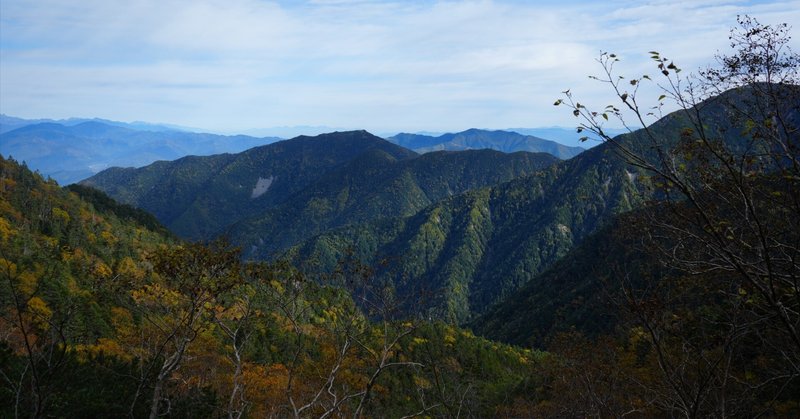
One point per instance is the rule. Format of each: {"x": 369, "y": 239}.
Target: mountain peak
{"x": 354, "y": 140}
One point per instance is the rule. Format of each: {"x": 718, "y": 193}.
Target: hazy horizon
{"x": 383, "y": 66}
{"x": 288, "y": 132}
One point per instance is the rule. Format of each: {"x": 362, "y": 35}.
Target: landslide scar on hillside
{"x": 262, "y": 185}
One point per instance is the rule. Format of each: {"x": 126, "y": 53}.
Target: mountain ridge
{"x": 476, "y": 249}
{"x": 183, "y": 193}
{"x": 473, "y": 138}
{"x": 9, "y": 123}
{"x": 72, "y": 153}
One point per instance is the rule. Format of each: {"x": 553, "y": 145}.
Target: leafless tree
{"x": 724, "y": 180}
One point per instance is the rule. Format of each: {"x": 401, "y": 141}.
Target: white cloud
{"x": 380, "y": 65}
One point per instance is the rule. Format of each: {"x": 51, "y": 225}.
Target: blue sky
{"x": 385, "y": 66}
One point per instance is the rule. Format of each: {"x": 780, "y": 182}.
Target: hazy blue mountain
{"x": 472, "y": 139}
{"x": 290, "y": 131}
{"x": 10, "y": 123}
{"x": 566, "y": 136}
{"x": 69, "y": 153}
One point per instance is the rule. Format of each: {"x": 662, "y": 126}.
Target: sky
{"x": 385, "y": 66}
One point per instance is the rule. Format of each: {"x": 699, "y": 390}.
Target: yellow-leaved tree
{"x": 177, "y": 303}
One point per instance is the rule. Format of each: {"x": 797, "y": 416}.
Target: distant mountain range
{"x": 10, "y": 123}
{"x": 72, "y": 152}
{"x": 473, "y": 139}
{"x": 69, "y": 150}
{"x": 271, "y": 197}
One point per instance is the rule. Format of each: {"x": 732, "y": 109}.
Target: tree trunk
{"x": 156, "y": 398}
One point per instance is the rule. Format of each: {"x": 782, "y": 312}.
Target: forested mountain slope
{"x": 196, "y": 197}
{"x": 271, "y": 197}
{"x": 376, "y": 185}
{"x": 473, "y": 250}
{"x": 61, "y": 259}
{"x": 103, "y": 316}
{"x": 574, "y": 293}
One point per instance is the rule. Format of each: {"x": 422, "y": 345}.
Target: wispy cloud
{"x": 380, "y": 65}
